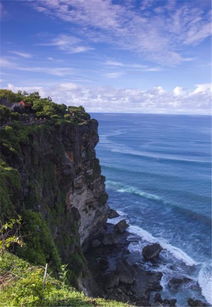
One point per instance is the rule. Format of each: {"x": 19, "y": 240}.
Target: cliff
{"x": 50, "y": 176}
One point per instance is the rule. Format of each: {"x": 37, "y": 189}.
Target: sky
{"x": 143, "y": 56}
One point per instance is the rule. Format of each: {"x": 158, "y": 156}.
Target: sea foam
{"x": 175, "y": 251}
{"x": 205, "y": 281}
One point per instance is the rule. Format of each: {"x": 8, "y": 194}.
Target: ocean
{"x": 158, "y": 176}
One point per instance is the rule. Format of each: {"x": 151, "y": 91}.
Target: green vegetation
{"x": 39, "y": 246}
{"x": 23, "y": 285}
{"x": 37, "y": 137}
{"x": 36, "y": 107}
{"x": 9, "y": 235}
{"x": 8, "y": 97}
{"x": 9, "y": 190}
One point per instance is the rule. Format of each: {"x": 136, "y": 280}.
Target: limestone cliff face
{"x": 87, "y": 191}
{"x": 60, "y": 191}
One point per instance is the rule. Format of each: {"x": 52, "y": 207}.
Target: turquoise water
{"x": 158, "y": 174}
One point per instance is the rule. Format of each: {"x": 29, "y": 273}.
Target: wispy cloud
{"x": 114, "y": 74}
{"x": 132, "y": 66}
{"x": 157, "y": 30}
{"x": 68, "y": 43}
{"x": 155, "y": 100}
{"x": 5, "y": 63}
{"x": 22, "y": 54}
{"x": 55, "y": 71}
{"x": 114, "y": 63}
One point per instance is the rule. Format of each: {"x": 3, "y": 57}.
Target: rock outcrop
{"x": 117, "y": 272}
{"x": 151, "y": 252}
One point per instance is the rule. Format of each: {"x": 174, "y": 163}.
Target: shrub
{"x": 9, "y": 234}
{"x": 39, "y": 246}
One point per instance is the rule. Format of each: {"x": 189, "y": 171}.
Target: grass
{"x": 21, "y": 284}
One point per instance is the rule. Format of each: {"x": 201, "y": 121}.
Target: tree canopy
{"x": 37, "y": 107}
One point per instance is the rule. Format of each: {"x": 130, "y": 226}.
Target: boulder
{"x": 152, "y": 251}
{"x": 164, "y": 302}
{"x": 125, "y": 272}
{"x": 175, "y": 283}
{"x": 112, "y": 213}
{"x": 197, "y": 303}
{"x": 121, "y": 226}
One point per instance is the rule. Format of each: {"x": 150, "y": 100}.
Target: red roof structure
{"x": 24, "y": 104}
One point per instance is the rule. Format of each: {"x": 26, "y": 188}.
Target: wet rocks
{"x": 125, "y": 272}
{"x": 164, "y": 302}
{"x": 176, "y": 283}
{"x": 112, "y": 213}
{"x": 196, "y": 303}
{"x": 121, "y": 226}
{"x": 152, "y": 251}
{"x": 147, "y": 281}
{"x": 116, "y": 270}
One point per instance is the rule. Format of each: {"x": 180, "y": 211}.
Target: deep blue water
{"x": 158, "y": 171}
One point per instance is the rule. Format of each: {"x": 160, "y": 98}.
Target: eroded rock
{"x": 175, "y": 283}
{"x": 112, "y": 213}
{"x": 121, "y": 226}
{"x": 151, "y": 252}
{"x": 125, "y": 272}
{"x": 164, "y": 302}
{"x": 197, "y": 303}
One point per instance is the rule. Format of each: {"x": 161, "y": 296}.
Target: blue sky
{"x": 120, "y": 56}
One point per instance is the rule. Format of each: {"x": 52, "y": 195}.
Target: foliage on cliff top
{"x": 36, "y": 107}
{"x": 22, "y": 285}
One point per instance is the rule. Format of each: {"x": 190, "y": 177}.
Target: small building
{"x": 21, "y": 107}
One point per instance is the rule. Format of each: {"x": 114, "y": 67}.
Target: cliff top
{"x": 31, "y": 108}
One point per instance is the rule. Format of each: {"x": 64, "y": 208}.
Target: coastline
{"x": 121, "y": 272}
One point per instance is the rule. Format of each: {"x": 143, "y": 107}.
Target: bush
{"x": 39, "y": 246}
{"x": 9, "y": 234}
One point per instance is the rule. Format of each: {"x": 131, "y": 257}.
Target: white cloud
{"x": 68, "y": 43}
{"x": 156, "y": 100}
{"x": 178, "y": 91}
{"x": 22, "y": 54}
{"x": 26, "y": 88}
{"x": 114, "y": 63}
{"x": 132, "y": 66}
{"x": 159, "y": 35}
{"x": 202, "y": 88}
{"x": 68, "y": 86}
{"x": 153, "y": 69}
